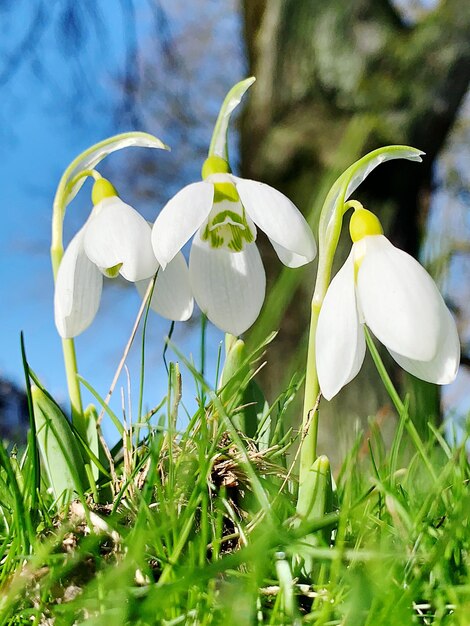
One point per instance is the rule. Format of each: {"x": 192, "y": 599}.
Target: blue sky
{"x": 49, "y": 112}
{"x": 57, "y": 98}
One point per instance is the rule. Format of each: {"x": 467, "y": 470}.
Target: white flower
{"x": 389, "y": 291}
{"x": 114, "y": 240}
{"x": 226, "y": 271}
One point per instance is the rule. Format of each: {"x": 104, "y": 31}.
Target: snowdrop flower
{"x": 114, "y": 240}
{"x": 389, "y": 291}
{"x": 223, "y": 211}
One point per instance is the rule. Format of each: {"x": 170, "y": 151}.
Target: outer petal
{"x": 77, "y": 290}
{"x": 340, "y": 343}
{"x": 442, "y": 369}
{"x": 229, "y": 287}
{"x": 172, "y": 297}
{"x": 180, "y": 218}
{"x": 280, "y": 219}
{"x": 117, "y": 234}
{"x": 400, "y": 301}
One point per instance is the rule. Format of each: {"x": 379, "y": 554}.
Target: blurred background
{"x": 334, "y": 80}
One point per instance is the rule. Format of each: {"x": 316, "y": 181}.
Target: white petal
{"x": 291, "y": 259}
{"x": 77, "y": 290}
{"x": 172, "y": 297}
{"x": 340, "y": 343}
{"x": 180, "y": 218}
{"x": 229, "y": 287}
{"x": 280, "y": 219}
{"x": 400, "y": 301}
{"x": 117, "y": 234}
{"x": 442, "y": 369}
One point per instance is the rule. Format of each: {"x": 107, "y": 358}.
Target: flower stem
{"x": 308, "y": 445}
{"x": 68, "y": 345}
{"x": 70, "y": 360}
{"x": 329, "y": 230}
{"x": 308, "y": 450}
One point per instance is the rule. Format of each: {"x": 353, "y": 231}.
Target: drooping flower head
{"x": 392, "y": 294}
{"x": 223, "y": 212}
{"x": 115, "y": 240}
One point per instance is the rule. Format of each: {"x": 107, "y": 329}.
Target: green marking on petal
{"x": 111, "y": 272}
{"x": 236, "y": 244}
{"x": 228, "y": 228}
{"x": 227, "y": 217}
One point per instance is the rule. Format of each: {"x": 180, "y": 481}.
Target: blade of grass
{"x": 400, "y": 407}
{"x": 142, "y": 359}
{"x": 33, "y": 449}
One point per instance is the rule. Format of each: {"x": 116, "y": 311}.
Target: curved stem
{"x": 330, "y": 223}
{"x": 308, "y": 445}
{"x": 308, "y": 451}
{"x": 68, "y": 345}
{"x": 73, "y": 386}
{"x": 69, "y": 185}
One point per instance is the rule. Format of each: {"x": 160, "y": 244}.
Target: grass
{"x": 198, "y": 526}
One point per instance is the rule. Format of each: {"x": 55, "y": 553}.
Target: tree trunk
{"x": 335, "y": 80}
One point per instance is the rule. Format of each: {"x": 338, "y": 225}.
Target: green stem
{"x": 309, "y": 437}
{"x": 329, "y": 230}
{"x": 203, "y": 354}
{"x": 308, "y": 452}
{"x": 68, "y": 345}
{"x": 69, "y": 185}
{"x": 73, "y": 386}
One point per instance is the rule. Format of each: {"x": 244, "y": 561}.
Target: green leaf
{"x": 318, "y": 493}
{"x": 59, "y": 448}
{"x": 34, "y": 473}
{"x": 91, "y": 420}
{"x": 218, "y": 146}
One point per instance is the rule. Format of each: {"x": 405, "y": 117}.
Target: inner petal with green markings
{"x": 111, "y": 272}
{"x": 228, "y": 226}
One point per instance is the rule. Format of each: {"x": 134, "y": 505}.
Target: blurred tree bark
{"x": 335, "y": 80}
